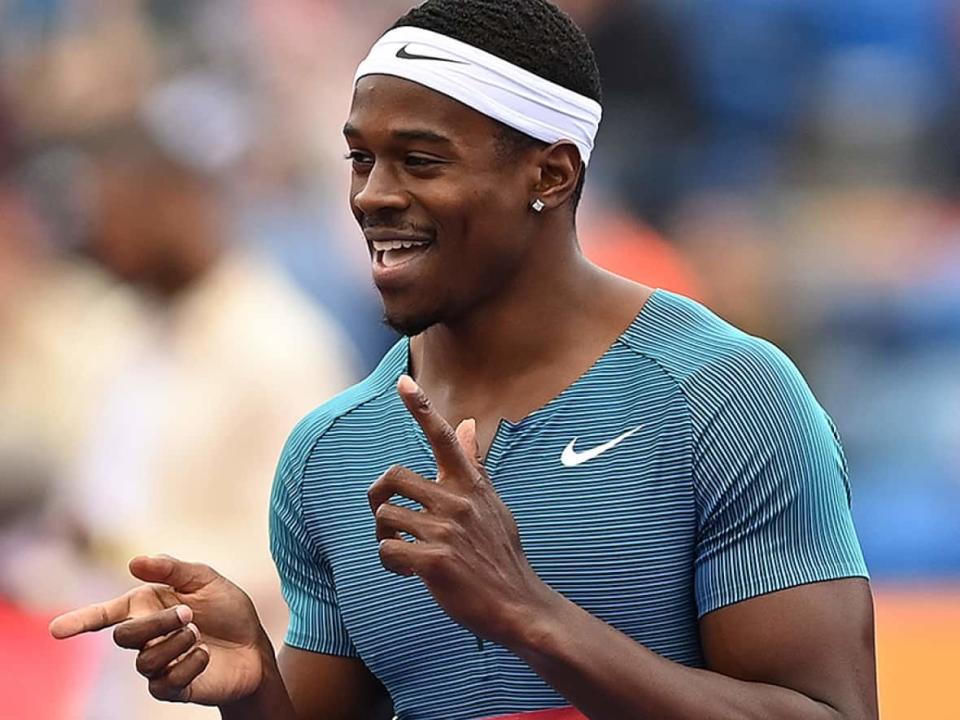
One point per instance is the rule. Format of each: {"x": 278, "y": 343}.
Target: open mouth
{"x": 393, "y": 253}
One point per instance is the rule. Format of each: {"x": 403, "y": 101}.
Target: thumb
{"x": 181, "y": 576}
{"x": 467, "y": 438}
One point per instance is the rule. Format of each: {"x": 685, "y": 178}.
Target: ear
{"x": 560, "y": 167}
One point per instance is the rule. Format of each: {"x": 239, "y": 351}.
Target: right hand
{"x": 198, "y": 635}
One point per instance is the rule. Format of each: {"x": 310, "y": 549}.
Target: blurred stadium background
{"x": 180, "y": 279}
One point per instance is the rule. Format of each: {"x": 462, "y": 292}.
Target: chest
{"x": 605, "y": 512}
{"x": 601, "y": 489}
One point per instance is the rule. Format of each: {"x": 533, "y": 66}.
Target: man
{"x": 687, "y": 549}
{"x": 207, "y": 364}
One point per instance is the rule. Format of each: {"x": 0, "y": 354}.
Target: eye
{"x": 360, "y": 160}
{"x": 419, "y": 161}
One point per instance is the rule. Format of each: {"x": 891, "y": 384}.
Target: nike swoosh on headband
{"x": 404, "y": 55}
{"x": 488, "y": 84}
{"x": 572, "y": 458}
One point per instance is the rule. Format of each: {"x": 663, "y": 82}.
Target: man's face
{"x": 446, "y": 217}
{"x": 150, "y": 223}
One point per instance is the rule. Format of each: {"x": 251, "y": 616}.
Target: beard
{"x": 409, "y": 326}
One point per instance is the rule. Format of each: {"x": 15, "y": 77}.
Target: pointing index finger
{"x": 90, "y": 618}
{"x": 443, "y": 439}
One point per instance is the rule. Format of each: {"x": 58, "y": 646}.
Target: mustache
{"x": 395, "y": 224}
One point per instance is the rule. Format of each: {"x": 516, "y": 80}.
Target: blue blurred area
{"x": 891, "y": 369}
{"x": 299, "y": 233}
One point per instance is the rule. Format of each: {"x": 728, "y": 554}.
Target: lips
{"x": 395, "y": 256}
{"x": 393, "y": 253}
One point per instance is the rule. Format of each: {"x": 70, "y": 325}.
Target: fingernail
{"x": 195, "y": 629}
{"x": 184, "y": 613}
{"x": 406, "y": 384}
{"x": 205, "y": 648}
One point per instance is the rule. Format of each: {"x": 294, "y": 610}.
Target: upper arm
{"x": 816, "y": 639}
{"x": 771, "y": 485}
{"x": 327, "y": 687}
{"x": 306, "y": 578}
{"x": 780, "y": 580}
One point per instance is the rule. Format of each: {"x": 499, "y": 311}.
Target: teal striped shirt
{"x": 732, "y": 485}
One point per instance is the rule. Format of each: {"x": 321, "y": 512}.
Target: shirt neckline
{"x": 544, "y": 411}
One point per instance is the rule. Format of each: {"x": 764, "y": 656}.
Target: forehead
{"x": 387, "y": 104}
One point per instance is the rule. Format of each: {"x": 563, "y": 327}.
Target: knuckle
{"x": 439, "y": 561}
{"x": 422, "y": 401}
{"x": 394, "y": 472}
{"x": 461, "y": 508}
{"x": 388, "y": 561}
{"x": 448, "y": 436}
{"x": 390, "y": 556}
{"x": 146, "y": 664}
{"x": 123, "y": 636}
{"x": 446, "y": 532}
{"x": 160, "y": 689}
{"x": 479, "y": 481}
{"x": 387, "y": 551}
{"x": 104, "y": 615}
{"x": 389, "y": 478}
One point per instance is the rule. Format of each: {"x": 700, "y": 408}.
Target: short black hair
{"x": 533, "y": 34}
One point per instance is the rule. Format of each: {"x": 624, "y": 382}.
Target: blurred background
{"x": 180, "y": 279}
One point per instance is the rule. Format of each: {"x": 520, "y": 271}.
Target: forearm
{"x": 271, "y": 700}
{"x": 609, "y": 676}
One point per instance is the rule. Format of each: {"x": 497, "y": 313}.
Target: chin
{"x": 409, "y": 325}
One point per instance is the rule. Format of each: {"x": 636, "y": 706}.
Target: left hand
{"x": 467, "y": 549}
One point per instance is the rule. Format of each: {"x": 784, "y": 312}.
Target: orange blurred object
{"x": 918, "y": 653}
{"x": 625, "y": 246}
{"x": 918, "y": 656}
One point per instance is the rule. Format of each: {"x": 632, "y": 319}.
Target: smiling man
{"x": 613, "y": 500}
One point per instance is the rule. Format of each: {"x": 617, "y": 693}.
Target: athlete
{"x": 612, "y": 500}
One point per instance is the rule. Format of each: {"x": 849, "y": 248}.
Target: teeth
{"x": 385, "y": 245}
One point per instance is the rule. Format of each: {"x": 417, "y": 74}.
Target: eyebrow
{"x": 409, "y": 134}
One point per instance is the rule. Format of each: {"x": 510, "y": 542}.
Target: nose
{"x": 379, "y": 190}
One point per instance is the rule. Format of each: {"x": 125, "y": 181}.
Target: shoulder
{"x": 714, "y": 362}
{"x": 312, "y": 429}
{"x": 753, "y": 415}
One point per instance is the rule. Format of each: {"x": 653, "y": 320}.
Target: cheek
{"x": 496, "y": 211}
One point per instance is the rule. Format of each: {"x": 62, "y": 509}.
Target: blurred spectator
{"x": 181, "y": 447}
{"x": 651, "y": 115}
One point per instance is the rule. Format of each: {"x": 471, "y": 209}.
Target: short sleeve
{"x": 772, "y": 495}
{"x": 305, "y": 576}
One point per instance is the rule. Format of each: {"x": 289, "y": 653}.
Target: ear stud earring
{"x": 538, "y": 205}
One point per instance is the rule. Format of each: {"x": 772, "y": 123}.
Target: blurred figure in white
{"x": 227, "y": 355}
{"x": 181, "y": 450}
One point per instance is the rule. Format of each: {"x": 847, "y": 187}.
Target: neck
{"x": 557, "y": 302}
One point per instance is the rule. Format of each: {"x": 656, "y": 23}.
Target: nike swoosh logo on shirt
{"x": 572, "y": 458}
{"x": 404, "y": 55}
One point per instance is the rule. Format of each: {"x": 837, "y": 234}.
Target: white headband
{"x": 488, "y": 84}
